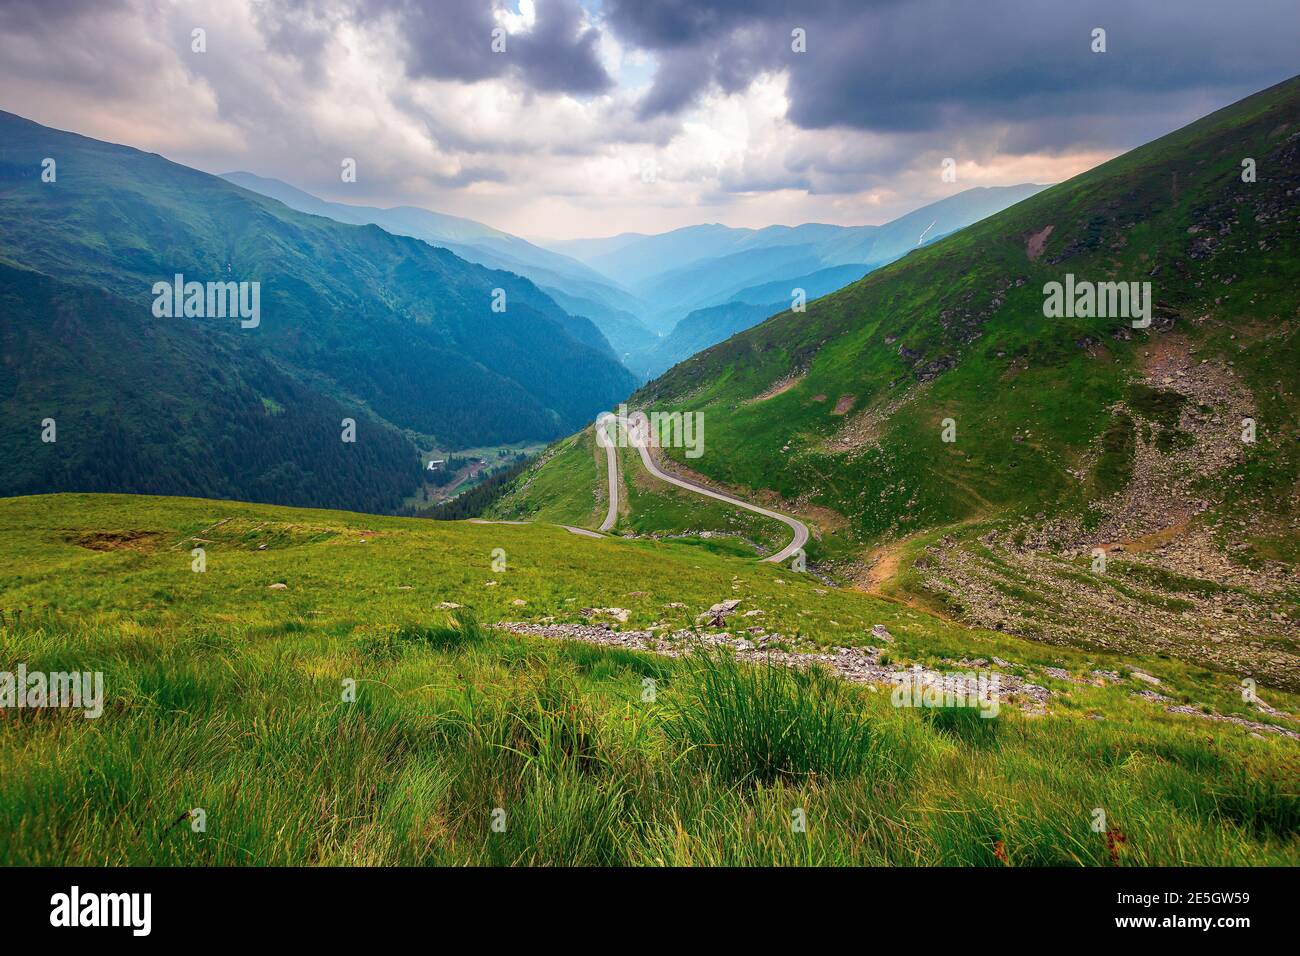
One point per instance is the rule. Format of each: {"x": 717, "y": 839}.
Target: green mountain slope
{"x": 163, "y": 408}
{"x": 626, "y": 334}
{"x": 700, "y": 329}
{"x": 1071, "y": 434}
{"x": 964, "y": 320}
{"x": 352, "y": 317}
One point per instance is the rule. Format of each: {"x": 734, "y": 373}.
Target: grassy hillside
{"x": 699, "y": 329}
{"x": 388, "y": 328}
{"x": 1071, "y": 435}
{"x": 225, "y": 693}
{"x": 963, "y": 322}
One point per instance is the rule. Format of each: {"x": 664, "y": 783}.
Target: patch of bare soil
{"x": 866, "y": 427}
{"x": 1155, "y": 541}
{"x": 884, "y": 566}
{"x": 1037, "y": 243}
{"x": 778, "y": 388}
{"x": 843, "y": 405}
{"x": 818, "y": 518}
{"x": 142, "y": 541}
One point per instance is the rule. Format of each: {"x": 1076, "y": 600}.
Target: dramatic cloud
{"x": 892, "y": 66}
{"x": 452, "y": 40}
{"x": 597, "y": 117}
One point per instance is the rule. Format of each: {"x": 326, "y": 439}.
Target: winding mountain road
{"x": 611, "y": 461}
{"x": 638, "y": 427}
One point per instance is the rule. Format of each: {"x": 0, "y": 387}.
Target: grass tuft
{"x": 1264, "y": 798}
{"x": 461, "y": 630}
{"x": 770, "y": 723}
{"x": 964, "y": 724}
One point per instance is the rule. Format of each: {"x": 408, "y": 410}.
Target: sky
{"x": 575, "y": 118}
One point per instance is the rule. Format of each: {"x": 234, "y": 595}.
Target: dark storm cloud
{"x": 886, "y": 89}
{"x": 941, "y": 62}
{"x": 452, "y": 40}
{"x": 686, "y": 71}
{"x": 674, "y": 24}
{"x": 448, "y": 40}
{"x": 681, "y": 76}
{"x": 891, "y": 66}
{"x": 30, "y": 16}
{"x": 558, "y": 55}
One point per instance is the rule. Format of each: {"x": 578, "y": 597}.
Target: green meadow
{"x": 350, "y": 717}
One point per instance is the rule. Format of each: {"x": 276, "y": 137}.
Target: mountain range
{"x": 698, "y": 266}
{"x": 416, "y": 345}
{"x": 385, "y": 317}
{"x": 577, "y": 288}
{"x": 659, "y": 298}
{"x": 705, "y": 283}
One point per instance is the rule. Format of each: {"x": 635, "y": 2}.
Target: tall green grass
{"x": 966, "y": 724}
{"x": 767, "y": 723}
{"x": 231, "y": 699}
{"x": 558, "y": 739}
{"x": 460, "y": 630}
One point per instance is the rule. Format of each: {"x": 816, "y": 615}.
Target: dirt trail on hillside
{"x": 778, "y": 388}
{"x": 884, "y": 568}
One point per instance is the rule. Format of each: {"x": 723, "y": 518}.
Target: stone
{"x": 619, "y": 614}
{"x": 717, "y": 614}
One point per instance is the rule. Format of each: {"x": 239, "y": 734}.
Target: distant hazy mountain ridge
{"x": 703, "y": 268}
{"x": 685, "y": 269}
{"x": 636, "y": 288}
{"x": 580, "y": 290}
